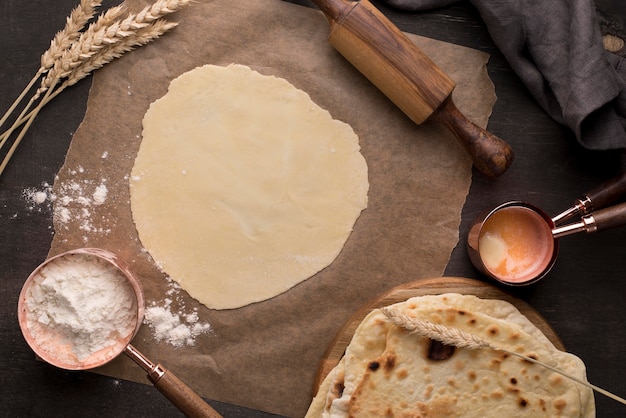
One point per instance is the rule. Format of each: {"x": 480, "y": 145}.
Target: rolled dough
{"x": 243, "y": 186}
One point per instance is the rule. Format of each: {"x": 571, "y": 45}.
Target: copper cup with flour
{"x": 516, "y": 243}
{"x": 81, "y": 309}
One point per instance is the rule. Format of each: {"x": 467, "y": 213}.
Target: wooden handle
{"x": 181, "y": 395}
{"x": 407, "y": 76}
{"x": 608, "y": 218}
{"x": 490, "y": 154}
{"x": 608, "y": 192}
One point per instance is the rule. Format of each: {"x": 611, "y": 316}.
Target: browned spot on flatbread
{"x": 497, "y": 359}
{"x": 337, "y": 390}
{"x": 498, "y": 394}
{"x": 555, "y": 380}
{"x": 493, "y": 330}
{"x": 514, "y": 336}
{"x": 513, "y": 390}
{"x": 559, "y": 404}
{"x": 450, "y": 315}
{"x": 438, "y": 407}
{"x": 402, "y": 374}
{"x": 438, "y": 351}
{"x": 471, "y": 375}
{"x": 390, "y": 362}
{"x": 380, "y": 321}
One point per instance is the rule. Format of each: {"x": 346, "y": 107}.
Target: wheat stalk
{"x": 141, "y": 37}
{"x": 17, "y": 141}
{"x": 60, "y": 46}
{"x": 459, "y": 338}
{"x": 73, "y": 54}
{"x": 75, "y": 22}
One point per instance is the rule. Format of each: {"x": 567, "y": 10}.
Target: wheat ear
{"x": 114, "y": 38}
{"x": 459, "y": 338}
{"x": 141, "y": 37}
{"x": 75, "y": 69}
{"x": 161, "y": 8}
{"x": 72, "y": 58}
{"x": 104, "y": 31}
{"x": 76, "y": 21}
{"x": 58, "y": 62}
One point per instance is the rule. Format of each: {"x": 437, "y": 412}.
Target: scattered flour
{"x": 83, "y": 303}
{"x": 100, "y": 194}
{"x": 178, "y": 328}
{"x": 73, "y": 201}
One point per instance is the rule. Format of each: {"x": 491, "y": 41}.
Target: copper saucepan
{"x": 516, "y": 243}
{"x": 54, "y": 349}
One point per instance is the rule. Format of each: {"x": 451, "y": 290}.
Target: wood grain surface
{"x": 407, "y": 76}
{"x": 433, "y": 286}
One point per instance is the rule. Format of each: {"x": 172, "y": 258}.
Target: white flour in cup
{"x": 80, "y": 302}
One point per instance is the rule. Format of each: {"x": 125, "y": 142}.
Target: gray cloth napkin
{"x": 555, "y": 47}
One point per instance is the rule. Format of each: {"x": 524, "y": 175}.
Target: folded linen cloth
{"x": 556, "y": 48}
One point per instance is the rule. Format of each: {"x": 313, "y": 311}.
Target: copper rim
{"x": 103, "y": 356}
{"x": 474, "y": 235}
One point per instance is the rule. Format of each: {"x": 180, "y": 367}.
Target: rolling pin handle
{"x": 490, "y": 154}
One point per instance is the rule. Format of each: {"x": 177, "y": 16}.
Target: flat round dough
{"x": 243, "y": 186}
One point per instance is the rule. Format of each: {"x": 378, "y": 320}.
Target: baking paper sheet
{"x": 265, "y": 356}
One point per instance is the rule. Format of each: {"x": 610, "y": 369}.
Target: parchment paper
{"x": 265, "y": 356}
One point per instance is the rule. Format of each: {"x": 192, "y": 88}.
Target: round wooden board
{"x": 435, "y": 286}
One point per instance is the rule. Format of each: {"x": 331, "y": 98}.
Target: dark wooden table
{"x": 584, "y": 297}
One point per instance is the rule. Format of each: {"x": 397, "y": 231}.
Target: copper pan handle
{"x": 607, "y": 193}
{"x": 599, "y": 197}
{"x": 610, "y": 217}
{"x": 174, "y": 389}
{"x": 599, "y": 220}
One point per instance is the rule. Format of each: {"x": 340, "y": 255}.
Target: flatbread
{"x": 386, "y": 371}
{"x": 243, "y": 186}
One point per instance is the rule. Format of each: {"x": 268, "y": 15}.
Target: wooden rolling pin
{"x": 383, "y": 54}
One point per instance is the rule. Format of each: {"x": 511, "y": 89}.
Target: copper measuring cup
{"x": 516, "y": 243}
{"x": 166, "y": 382}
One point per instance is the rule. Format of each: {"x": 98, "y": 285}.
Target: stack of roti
{"x": 388, "y": 371}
